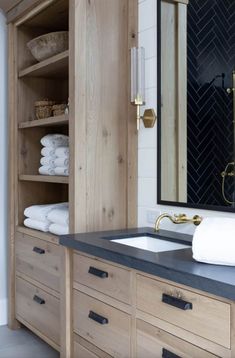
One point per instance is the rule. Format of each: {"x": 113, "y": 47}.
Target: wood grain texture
{"x": 114, "y": 337}
{"x": 45, "y": 178}
{"x": 201, "y": 320}
{"x": 45, "y": 267}
{"x": 45, "y": 317}
{"x": 151, "y": 341}
{"x": 45, "y": 122}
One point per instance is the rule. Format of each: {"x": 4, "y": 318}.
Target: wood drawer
{"x": 112, "y": 336}
{"x": 44, "y": 316}
{"x": 114, "y": 283}
{"x": 38, "y": 259}
{"x": 153, "y": 342}
{"x": 208, "y": 318}
{"x": 84, "y": 349}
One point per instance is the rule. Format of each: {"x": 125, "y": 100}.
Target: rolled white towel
{"x": 46, "y": 170}
{"x": 40, "y": 212}
{"x": 62, "y": 171}
{"x": 55, "y": 140}
{"x": 37, "y": 225}
{"x": 48, "y": 151}
{"x": 214, "y": 241}
{"x": 62, "y": 151}
{"x": 48, "y": 160}
{"x": 59, "y": 229}
{"x": 59, "y": 216}
{"x": 61, "y": 162}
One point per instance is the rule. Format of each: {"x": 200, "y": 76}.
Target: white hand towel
{"x": 59, "y": 229}
{"x": 62, "y": 171}
{"x": 62, "y": 151}
{"x": 55, "y": 140}
{"x": 48, "y": 160}
{"x": 40, "y": 212}
{"x": 61, "y": 162}
{"x": 59, "y": 216}
{"x": 37, "y": 225}
{"x": 48, "y": 151}
{"x": 46, "y": 170}
{"x": 214, "y": 241}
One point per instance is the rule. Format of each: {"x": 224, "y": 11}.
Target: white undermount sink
{"x": 151, "y": 244}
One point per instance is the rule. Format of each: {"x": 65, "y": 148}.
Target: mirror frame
{"x": 159, "y": 200}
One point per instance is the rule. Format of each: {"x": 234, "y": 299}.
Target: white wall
{"x": 147, "y": 152}
{"x": 3, "y": 170}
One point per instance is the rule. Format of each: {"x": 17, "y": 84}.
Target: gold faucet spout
{"x": 178, "y": 219}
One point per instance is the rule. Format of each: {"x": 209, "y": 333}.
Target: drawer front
{"x": 153, "y": 342}
{"x": 39, "y": 309}
{"x": 201, "y": 315}
{"x": 82, "y": 352}
{"x": 84, "y": 349}
{"x": 38, "y": 259}
{"x": 104, "y": 326}
{"x": 110, "y": 280}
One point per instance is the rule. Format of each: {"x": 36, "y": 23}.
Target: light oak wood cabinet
{"x": 94, "y": 74}
{"x": 160, "y": 318}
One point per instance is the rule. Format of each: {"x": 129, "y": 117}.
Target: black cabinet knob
{"x": 176, "y": 302}
{"x": 97, "y": 318}
{"x": 39, "y": 300}
{"x": 38, "y": 250}
{"x": 97, "y": 272}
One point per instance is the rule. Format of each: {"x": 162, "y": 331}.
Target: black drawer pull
{"x": 38, "y": 250}
{"x": 97, "y": 318}
{"x": 39, "y": 300}
{"x": 177, "y": 302}
{"x": 99, "y": 273}
{"x": 168, "y": 354}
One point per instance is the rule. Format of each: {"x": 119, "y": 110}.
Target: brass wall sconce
{"x": 138, "y": 87}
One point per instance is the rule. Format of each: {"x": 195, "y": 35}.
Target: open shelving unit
{"x": 101, "y": 188}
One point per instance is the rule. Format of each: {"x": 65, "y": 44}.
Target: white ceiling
{"x": 6, "y": 5}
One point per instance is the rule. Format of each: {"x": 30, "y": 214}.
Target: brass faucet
{"x": 178, "y": 219}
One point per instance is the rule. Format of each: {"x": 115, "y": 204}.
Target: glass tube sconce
{"x": 138, "y": 87}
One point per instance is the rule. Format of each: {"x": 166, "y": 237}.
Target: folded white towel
{"x": 37, "y": 225}
{"x": 48, "y": 151}
{"x": 59, "y": 216}
{"x": 46, "y": 170}
{"x": 61, "y": 171}
{"x": 40, "y": 212}
{"x": 214, "y": 241}
{"x": 55, "y": 140}
{"x": 59, "y": 229}
{"x": 62, "y": 151}
{"x": 61, "y": 162}
{"x": 48, "y": 160}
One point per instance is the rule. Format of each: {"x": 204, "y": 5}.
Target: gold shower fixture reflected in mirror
{"x": 138, "y": 87}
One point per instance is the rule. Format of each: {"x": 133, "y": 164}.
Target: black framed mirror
{"x": 196, "y": 104}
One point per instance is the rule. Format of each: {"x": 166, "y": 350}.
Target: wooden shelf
{"x": 46, "y": 122}
{"x": 38, "y": 234}
{"x": 45, "y": 178}
{"x": 53, "y": 67}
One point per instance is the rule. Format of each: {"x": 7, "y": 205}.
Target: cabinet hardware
{"x": 39, "y": 300}
{"x": 177, "y": 302}
{"x": 99, "y": 273}
{"x": 97, "y": 318}
{"x": 38, "y": 250}
{"x": 168, "y": 354}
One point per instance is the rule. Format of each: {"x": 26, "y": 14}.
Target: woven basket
{"x": 49, "y": 45}
{"x": 59, "y": 109}
{"x": 43, "y": 109}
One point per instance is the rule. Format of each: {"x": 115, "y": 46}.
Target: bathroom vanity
{"x": 133, "y": 302}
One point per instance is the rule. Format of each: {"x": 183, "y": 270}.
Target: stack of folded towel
{"x": 37, "y": 217}
{"x": 59, "y": 218}
{"x": 214, "y": 241}
{"x": 52, "y": 142}
{"x": 62, "y": 161}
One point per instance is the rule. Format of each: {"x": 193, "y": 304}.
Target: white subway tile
{"x": 147, "y": 192}
{"x": 147, "y": 14}
{"x": 147, "y": 39}
{"x": 147, "y": 163}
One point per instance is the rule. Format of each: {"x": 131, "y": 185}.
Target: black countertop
{"x": 177, "y": 266}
